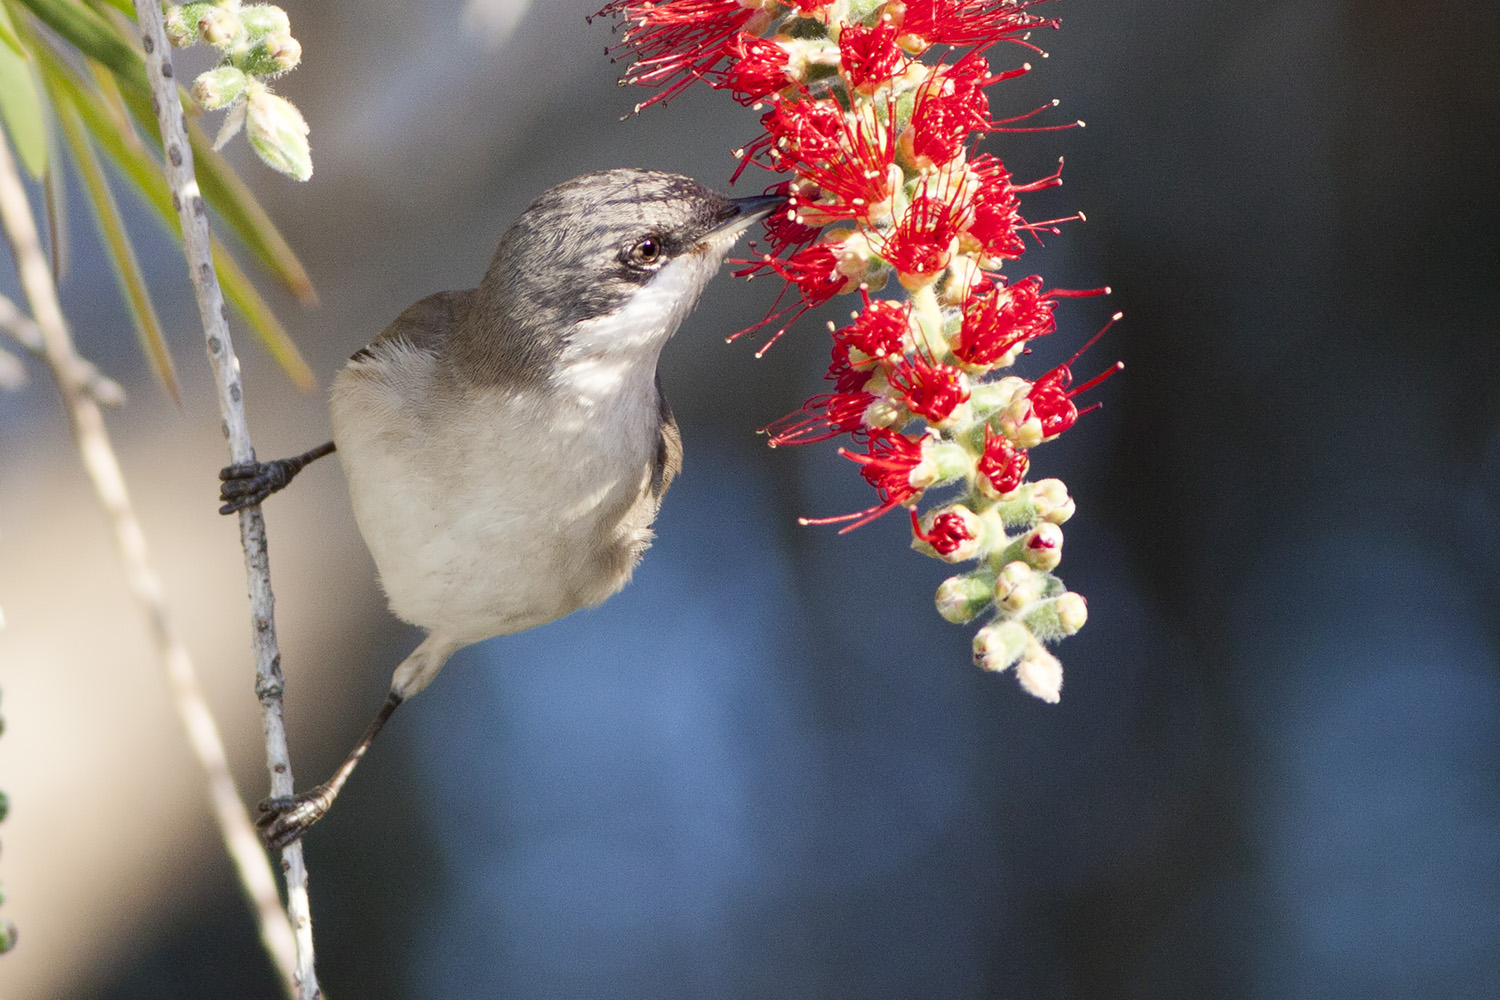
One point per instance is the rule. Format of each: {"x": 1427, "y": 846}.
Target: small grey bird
{"x": 507, "y": 447}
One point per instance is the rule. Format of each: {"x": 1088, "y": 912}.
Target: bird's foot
{"x": 249, "y": 483}
{"x": 284, "y": 819}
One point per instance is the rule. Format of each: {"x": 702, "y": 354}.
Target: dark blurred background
{"x": 767, "y": 769}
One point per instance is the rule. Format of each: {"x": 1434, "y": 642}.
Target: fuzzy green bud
{"x": 960, "y": 598}
{"x": 1021, "y": 424}
{"x": 1040, "y": 548}
{"x": 988, "y": 397}
{"x": 1050, "y": 499}
{"x": 1000, "y": 644}
{"x": 883, "y": 412}
{"x": 1059, "y": 617}
{"x": 219, "y": 88}
{"x": 271, "y": 54}
{"x": 1017, "y": 585}
{"x": 278, "y": 134}
{"x": 7, "y": 936}
{"x": 950, "y": 460}
{"x": 264, "y": 19}
{"x": 218, "y": 26}
{"x": 182, "y": 23}
{"x": 4, "y": 806}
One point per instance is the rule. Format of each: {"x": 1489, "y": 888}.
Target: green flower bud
{"x": 272, "y": 54}
{"x": 264, "y": 19}
{"x": 1021, "y": 424}
{"x": 988, "y": 397}
{"x": 1072, "y": 612}
{"x": 883, "y": 412}
{"x": 278, "y": 134}
{"x": 1051, "y": 500}
{"x": 219, "y": 88}
{"x": 950, "y": 461}
{"x": 218, "y": 26}
{"x": 4, "y": 806}
{"x": 7, "y": 936}
{"x": 1058, "y": 617}
{"x": 1016, "y": 586}
{"x": 1041, "y": 547}
{"x": 999, "y": 644}
{"x": 182, "y": 24}
{"x": 960, "y": 598}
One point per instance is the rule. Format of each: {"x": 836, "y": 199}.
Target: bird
{"x": 507, "y": 447}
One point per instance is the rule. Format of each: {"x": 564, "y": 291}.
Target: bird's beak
{"x": 749, "y": 212}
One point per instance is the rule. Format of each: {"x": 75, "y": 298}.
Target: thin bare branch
{"x": 19, "y": 327}
{"x": 269, "y": 684}
{"x": 12, "y": 372}
{"x": 50, "y": 333}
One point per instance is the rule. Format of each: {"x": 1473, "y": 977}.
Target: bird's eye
{"x": 646, "y": 253}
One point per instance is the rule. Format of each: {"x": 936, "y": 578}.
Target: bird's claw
{"x": 249, "y": 483}
{"x": 284, "y": 819}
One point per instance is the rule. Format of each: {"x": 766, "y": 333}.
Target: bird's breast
{"x": 489, "y": 512}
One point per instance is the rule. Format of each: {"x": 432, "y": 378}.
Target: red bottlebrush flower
{"x": 952, "y": 533}
{"x": 948, "y": 107}
{"x": 1000, "y": 317}
{"x": 923, "y": 242}
{"x": 803, "y": 130}
{"x": 997, "y": 210}
{"x": 842, "y": 373}
{"x": 931, "y": 391}
{"x": 877, "y": 332}
{"x": 893, "y": 465}
{"x": 757, "y": 67}
{"x": 1002, "y": 467}
{"x": 678, "y": 38}
{"x": 1051, "y": 397}
{"x": 786, "y": 233}
{"x": 965, "y": 22}
{"x": 897, "y": 466}
{"x": 847, "y": 158}
{"x": 1051, "y": 402}
{"x": 815, "y": 272}
{"x": 822, "y": 417}
{"x": 869, "y": 57}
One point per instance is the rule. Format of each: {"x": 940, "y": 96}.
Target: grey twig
{"x": 50, "y": 333}
{"x": 193, "y": 215}
{"x": 19, "y": 327}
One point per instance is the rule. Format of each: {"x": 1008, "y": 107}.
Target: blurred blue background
{"x": 767, "y": 769}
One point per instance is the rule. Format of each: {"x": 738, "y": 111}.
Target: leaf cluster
{"x": 73, "y": 87}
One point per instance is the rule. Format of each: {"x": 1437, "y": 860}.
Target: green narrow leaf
{"x": 121, "y": 251}
{"x": 20, "y": 104}
{"x": 8, "y": 34}
{"x": 94, "y": 37}
{"x": 263, "y": 322}
{"x": 145, "y": 173}
{"x": 126, "y": 7}
{"x": 55, "y": 201}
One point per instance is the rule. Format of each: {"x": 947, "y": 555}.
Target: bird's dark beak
{"x": 748, "y": 212}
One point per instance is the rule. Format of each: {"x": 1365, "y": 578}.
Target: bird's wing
{"x": 423, "y": 325}
{"x": 668, "y": 459}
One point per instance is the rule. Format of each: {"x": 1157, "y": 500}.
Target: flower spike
{"x": 871, "y": 115}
